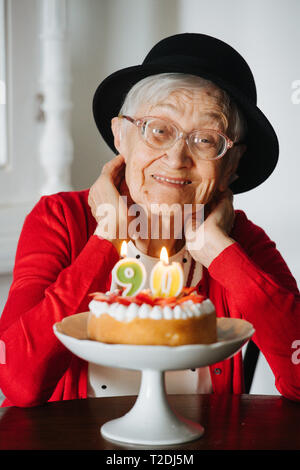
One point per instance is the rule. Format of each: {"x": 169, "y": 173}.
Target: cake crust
{"x": 189, "y": 318}
{"x": 147, "y": 331}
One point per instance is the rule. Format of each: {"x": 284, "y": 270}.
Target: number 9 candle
{"x": 166, "y": 280}
{"x": 129, "y": 273}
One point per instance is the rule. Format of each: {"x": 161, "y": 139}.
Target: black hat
{"x": 212, "y": 59}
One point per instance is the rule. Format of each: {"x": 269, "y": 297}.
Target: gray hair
{"x": 158, "y": 87}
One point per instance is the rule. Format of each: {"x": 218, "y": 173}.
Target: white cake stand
{"x": 151, "y": 421}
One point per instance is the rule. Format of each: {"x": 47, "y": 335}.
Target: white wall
{"x": 108, "y": 35}
{"x": 5, "y": 282}
{"x": 266, "y": 33}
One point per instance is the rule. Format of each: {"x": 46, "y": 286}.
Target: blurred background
{"x": 53, "y": 55}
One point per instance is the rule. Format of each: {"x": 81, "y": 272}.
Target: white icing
{"x": 178, "y": 312}
{"x": 207, "y": 306}
{"x": 188, "y": 311}
{"x": 144, "y": 311}
{"x": 131, "y": 312}
{"x": 156, "y": 313}
{"x": 167, "y": 313}
{"x": 120, "y": 312}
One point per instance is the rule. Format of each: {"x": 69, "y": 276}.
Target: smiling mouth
{"x": 177, "y": 181}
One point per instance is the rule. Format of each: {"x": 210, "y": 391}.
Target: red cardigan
{"x": 59, "y": 262}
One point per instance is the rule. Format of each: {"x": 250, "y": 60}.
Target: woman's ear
{"x": 229, "y": 170}
{"x": 116, "y": 130}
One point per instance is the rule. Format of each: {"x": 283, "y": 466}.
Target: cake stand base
{"x": 151, "y": 421}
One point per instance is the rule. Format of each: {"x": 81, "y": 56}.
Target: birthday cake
{"x": 144, "y": 319}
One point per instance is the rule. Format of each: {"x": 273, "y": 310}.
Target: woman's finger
{"x": 113, "y": 167}
{"x": 114, "y": 170}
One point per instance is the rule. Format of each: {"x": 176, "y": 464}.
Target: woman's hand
{"x": 220, "y": 213}
{"x": 107, "y": 206}
{"x": 213, "y": 234}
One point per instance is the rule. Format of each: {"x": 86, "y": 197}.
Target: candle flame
{"x": 124, "y": 249}
{"x": 164, "y": 255}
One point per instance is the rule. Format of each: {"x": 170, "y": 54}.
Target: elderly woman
{"x": 187, "y": 131}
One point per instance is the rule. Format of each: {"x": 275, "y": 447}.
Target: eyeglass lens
{"x": 204, "y": 144}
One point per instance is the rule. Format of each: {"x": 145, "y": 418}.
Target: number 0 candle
{"x": 166, "y": 280}
{"x": 129, "y": 273}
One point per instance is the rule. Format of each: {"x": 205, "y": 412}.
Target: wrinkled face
{"x": 147, "y": 168}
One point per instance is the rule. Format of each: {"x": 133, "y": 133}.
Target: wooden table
{"x": 231, "y": 422}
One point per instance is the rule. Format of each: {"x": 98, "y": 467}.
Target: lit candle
{"x": 166, "y": 280}
{"x": 129, "y": 273}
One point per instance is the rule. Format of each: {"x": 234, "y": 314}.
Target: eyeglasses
{"x": 206, "y": 144}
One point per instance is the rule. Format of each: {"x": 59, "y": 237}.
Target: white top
{"x": 109, "y": 381}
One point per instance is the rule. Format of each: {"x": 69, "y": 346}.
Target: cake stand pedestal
{"x": 151, "y": 421}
